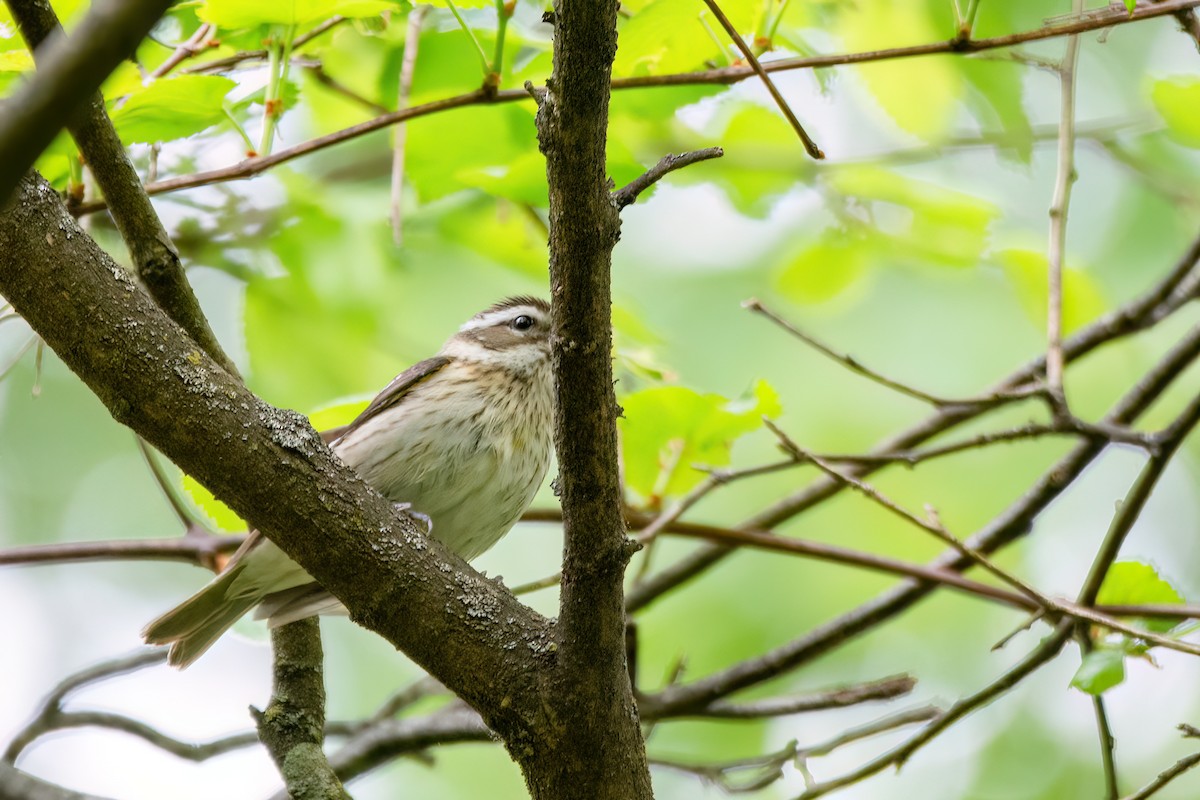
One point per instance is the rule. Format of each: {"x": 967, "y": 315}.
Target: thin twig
{"x": 199, "y": 549}
{"x": 1166, "y": 776}
{"x": 809, "y": 145}
{"x": 883, "y": 725}
{"x": 197, "y": 43}
{"x": 628, "y": 194}
{"x": 1179, "y": 286}
{"x": 885, "y": 689}
{"x": 317, "y": 72}
{"x": 165, "y": 485}
{"x": 1043, "y": 653}
{"x": 51, "y": 706}
{"x": 930, "y": 524}
{"x": 412, "y": 41}
{"x": 854, "y": 365}
{"x": 729, "y": 75}
{"x": 1059, "y": 205}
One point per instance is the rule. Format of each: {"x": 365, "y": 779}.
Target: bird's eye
{"x": 522, "y": 323}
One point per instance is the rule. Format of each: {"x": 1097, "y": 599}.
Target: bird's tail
{"x": 195, "y": 624}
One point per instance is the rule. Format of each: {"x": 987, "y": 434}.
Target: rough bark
{"x": 293, "y": 726}
{"x": 598, "y": 751}
{"x": 469, "y": 632}
{"x": 150, "y": 247}
{"x": 69, "y": 73}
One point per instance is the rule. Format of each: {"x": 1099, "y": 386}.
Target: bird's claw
{"x": 416, "y": 516}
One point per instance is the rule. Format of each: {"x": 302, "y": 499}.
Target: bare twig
{"x": 1166, "y": 776}
{"x": 628, "y": 194}
{"x": 1179, "y": 286}
{"x": 728, "y": 75}
{"x": 197, "y": 43}
{"x": 52, "y": 706}
{"x": 69, "y": 72}
{"x": 1059, "y": 205}
{"x": 1044, "y": 652}
{"x": 317, "y": 72}
{"x": 809, "y": 145}
{"x": 199, "y": 549}
{"x": 885, "y": 689}
{"x": 764, "y": 769}
{"x": 854, "y": 365}
{"x": 883, "y": 725}
{"x": 222, "y": 64}
{"x": 412, "y": 41}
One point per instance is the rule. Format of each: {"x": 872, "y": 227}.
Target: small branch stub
{"x": 628, "y": 194}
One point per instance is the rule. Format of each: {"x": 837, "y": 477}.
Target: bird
{"x": 460, "y": 441}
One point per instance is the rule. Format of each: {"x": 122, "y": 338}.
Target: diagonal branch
{"x": 809, "y": 145}
{"x": 154, "y": 256}
{"x": 628, "y": 194}
{"x": 728, "y": 75}
{"x": 458, "y": 625}
{"x": 1179, "y": 286}
{"x": 70, "y": 72}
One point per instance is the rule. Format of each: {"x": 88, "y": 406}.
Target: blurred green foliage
{"x": 918, "y": 248}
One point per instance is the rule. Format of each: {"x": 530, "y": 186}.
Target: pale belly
{"x": 473, "y": 478}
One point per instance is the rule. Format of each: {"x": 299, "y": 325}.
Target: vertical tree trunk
{"x": 597, "y": 750}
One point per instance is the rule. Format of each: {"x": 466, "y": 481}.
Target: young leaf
{"x": 1136, "y": 583}
{"x": 249, "y": 13}
{"x": 219, "y": 514}
{"x": 668, "y": 430}
{"x": 1100, "y": 670}
{"x": 825, "y": 269}
{"x": 1027, "y": 270}
{"x": 1176, "y": 100}
{"x": 172, "y": 108}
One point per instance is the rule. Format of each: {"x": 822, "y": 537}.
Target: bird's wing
{"x": 392, "y": 394}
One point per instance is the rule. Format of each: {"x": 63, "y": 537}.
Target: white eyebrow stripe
{"x": 493, "y": 318}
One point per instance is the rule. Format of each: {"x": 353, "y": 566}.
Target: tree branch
{"x": 70, "y": 72}
{"x": 727, "y": 75}
{"x": 154, "y": 256}
{"x": 628, "y": 194}
{"x": 293, "y": 725}
{"x": 458, "y": 625}
{"x": 17, "y": 785}
{"x": 1180, "y": 285}
{"x": 601, "y": 754}
{"x": 1010, "y": 525}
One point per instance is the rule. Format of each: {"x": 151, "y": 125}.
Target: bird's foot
{"x": 416, "y": 516}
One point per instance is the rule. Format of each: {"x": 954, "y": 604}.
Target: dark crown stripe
{"x": 513, "y": 302}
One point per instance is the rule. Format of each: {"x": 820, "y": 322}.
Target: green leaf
{"x": 825, "y": 269}
{"x": 943, "y": 225}
{"x": 1177, "y": 100}
{"x": 1131, "y": 5}
{"x": 667, "y": 36}
{"x": 219, "y": 515}
{"x": 336, "y": 415}
{"x": 1028, "y": 271}
{"x": 16, "y": 61}
{"x": 997, "y": 99}
{"x": 503, "y": 232}
{"x": 919, "y": 94}
{"x": 667, "y": 430}
{"x": 1137, "y": 583}
{"x": 249, "y": 13}
{"x": 172, "y": 108}
{"x": 1100, "y": 670}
